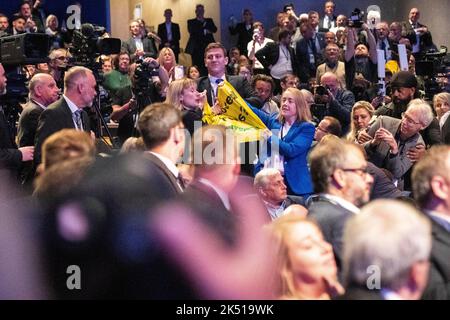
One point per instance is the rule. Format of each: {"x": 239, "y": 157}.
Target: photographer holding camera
{"x": 129, "y": 101}
{"x": 334, "y": 100}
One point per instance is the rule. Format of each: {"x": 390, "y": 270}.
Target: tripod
{"x": 101, "y": 123}
{"x": 143, "y": 99}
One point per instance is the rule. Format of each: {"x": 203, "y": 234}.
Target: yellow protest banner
{"x": 236, "y": 114}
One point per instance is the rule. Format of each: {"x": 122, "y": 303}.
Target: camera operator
{"x": 360, "y": 57}
{"x": 119, "y": 77}
{"x": 128, "y": 101}
{"x": 11, "y": 158}
{"x": 335, "y": 101}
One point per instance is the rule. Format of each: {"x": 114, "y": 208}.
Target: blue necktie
{"x": 77, "y": 117}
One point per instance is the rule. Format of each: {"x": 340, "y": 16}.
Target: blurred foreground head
{"x": 387, "y": 246}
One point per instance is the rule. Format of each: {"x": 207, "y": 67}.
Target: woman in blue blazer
{"x": 291, "y": 133}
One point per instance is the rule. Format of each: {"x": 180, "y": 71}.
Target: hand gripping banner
{"x": 236, "y": 114}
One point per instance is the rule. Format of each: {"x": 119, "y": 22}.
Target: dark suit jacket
{"x": 425, "y": 39}
{"x": 175, "y": 43}
{"x": 322, "y": 28}
{"x": 206, "y": 203}
{"x": 269, "y": 55}
{"x": 445, "y": 132}
{"x": 10, "y": 157}
{"x": 239, "y": 83}
{"x": 332, "y": 219}
{"x": 56, "y": 117}
{"x": 439, "y": 280}
{"x": 148, "y": 44}
{"x": 244, "y": 36}
{"x": 305, "y": 68}
{"x": 160, "y": 166}
{"x": 198, "y": 40}
{"x": 28, "y": 123}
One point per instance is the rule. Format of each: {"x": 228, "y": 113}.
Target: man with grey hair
{"x": 269, "y": 184}
{"x": 43, "y": 92}
{"x": 393, "y": 140}
{"x": 67, "y": 112}
{"x": 431, "y": 185}
{"x": 386, "y": 251}
{"x": 342, "y": 183}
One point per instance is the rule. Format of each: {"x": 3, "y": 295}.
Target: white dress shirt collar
{"x": 443, "y": 119}
{"x": 167, "y": 162}
{"x": 342, "y": 202}
{"x": 72, "y": 106}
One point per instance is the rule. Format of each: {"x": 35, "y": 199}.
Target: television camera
{"x": 434, "y": 67}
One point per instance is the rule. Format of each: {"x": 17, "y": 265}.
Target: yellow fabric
{"x": 392, "y": 66}
{"x": 236, "y": 114}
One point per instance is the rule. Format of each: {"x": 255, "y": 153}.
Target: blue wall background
{"x": 434, "y": 13}
{"x": 93, "y": 11}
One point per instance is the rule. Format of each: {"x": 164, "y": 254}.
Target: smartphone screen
{"x": 179, "y": 72}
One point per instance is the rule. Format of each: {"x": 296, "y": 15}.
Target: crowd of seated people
{"x": 185, "y": 210}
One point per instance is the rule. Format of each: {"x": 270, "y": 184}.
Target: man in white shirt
{"x": 258, "y": 42}
{"x": 431, "y": 185}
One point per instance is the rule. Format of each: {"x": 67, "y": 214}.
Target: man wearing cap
{"x": 404, "y": 89}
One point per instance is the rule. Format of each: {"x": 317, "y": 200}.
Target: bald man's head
{"x": 43, "y": 89}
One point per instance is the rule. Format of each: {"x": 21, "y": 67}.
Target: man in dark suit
{"x": 216, "y": 175}
{"x": 270, "y": 187}
{"x": 431, "y": 182}
{"x": 307, "y": 55}
{"x": 67, "y": 112}
{"x": 417, "y": 33}
{"x": 139, "y": 46}
{"x": 328, "y": 21}
{"x": 216, "y": 61}
{"x": 340, "y": 178}
{"x": 161, "y": 129}
{"x": 386, "y": 252}
{"x": 169, "y": 33}
{"x": 201, "y": 31}
{"x": 43, "y": 92}
{"x": 244, "y": 30}
{"x": 11, "y": 158}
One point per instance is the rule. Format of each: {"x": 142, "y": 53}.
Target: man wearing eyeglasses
{"x": 394, "y": 140}
{"x": 404, "y": 89}
{"x": 342, "y": 184}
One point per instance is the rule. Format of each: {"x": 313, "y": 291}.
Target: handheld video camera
{"x": 321, "y": 90}
{"x": 356, "y": 19}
